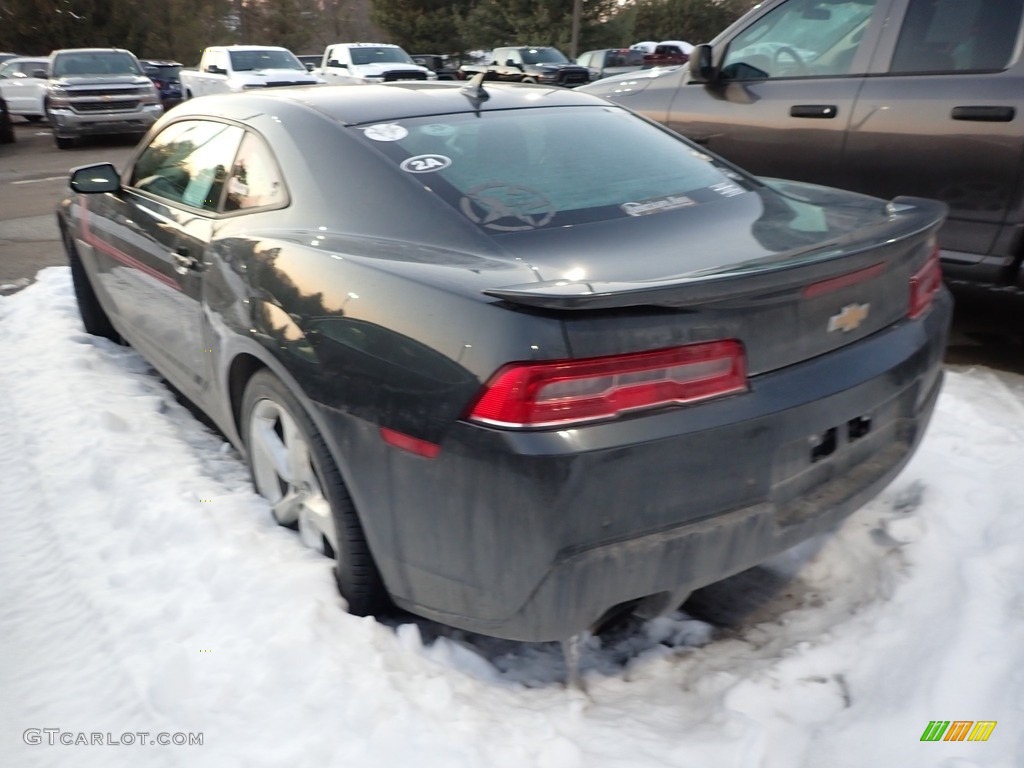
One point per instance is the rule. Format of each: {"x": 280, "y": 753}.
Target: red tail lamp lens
{"x": 564, "y": 392}
{"x": 924, "y": 284}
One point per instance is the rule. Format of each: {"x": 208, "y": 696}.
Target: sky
{"x": 147, "y": 596}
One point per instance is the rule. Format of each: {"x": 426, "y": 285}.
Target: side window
{"x": 188, "y": 163}
{"x": 957, "y": 36}
{"x": 255, "y": 181}
{"x": 801, "y": 38}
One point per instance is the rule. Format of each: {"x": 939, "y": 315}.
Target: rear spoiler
{"x": 741, "y": 282}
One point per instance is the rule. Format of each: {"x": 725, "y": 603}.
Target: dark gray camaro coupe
{"x": 515, "y": 357}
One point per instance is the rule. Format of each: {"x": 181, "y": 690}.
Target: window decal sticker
{"x": 657, "y": 205}
{"x": 425, "y": 163}
{"x": 386, "y": 132}
{"x": 507, "y": 207}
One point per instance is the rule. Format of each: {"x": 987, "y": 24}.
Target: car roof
{"x": 90, "y": 50}
{"x": 359, "y": 104}
{"x": 240, "y": 47}
{"x": 32, "y": 59}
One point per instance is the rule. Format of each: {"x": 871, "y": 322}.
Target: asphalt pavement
{"x": 33, "y": 180}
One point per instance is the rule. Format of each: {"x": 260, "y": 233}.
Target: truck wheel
{"x": 530, "y": 80}
{"x": 188, "y": 94}
{"x": 63, "y": 142}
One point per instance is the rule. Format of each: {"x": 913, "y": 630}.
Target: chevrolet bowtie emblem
{"x": 849, "y": 317}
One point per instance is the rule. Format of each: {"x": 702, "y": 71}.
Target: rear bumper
{"x": 533, "y": 536}
{"x": 68, "y": 124}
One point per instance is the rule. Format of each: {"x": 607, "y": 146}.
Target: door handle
{"x": 184, "y": 262}
{"x": 984, "y": 114}
{"x": 819, "y": 111}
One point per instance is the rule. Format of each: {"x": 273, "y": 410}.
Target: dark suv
{"x": 886, "y": 97}
{"x": 166, "y": 78}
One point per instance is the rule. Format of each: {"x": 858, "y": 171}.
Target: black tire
{"x": 64, "y": 142}
{"x": 6, "y": 132}
{"x": 34, "y": 118}
{"x": 94, "y": 318}
{"x": 355, "y": 571}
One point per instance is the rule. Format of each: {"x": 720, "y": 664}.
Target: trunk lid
{"x": 791, "y": 275}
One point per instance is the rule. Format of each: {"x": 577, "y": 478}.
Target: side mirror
{"x": 702, "y": 67}
{"x": 509, "y": 63}
{"x": 90, "y": 179}
{"x": 39, "y": 74}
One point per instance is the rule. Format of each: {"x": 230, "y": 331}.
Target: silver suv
{"x": 98, "y": 91}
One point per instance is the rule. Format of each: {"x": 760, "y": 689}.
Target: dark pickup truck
{"x": 885, "y": 97}
{"x": 529, "y": 64}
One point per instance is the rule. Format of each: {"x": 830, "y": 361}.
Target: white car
{"x": 22, "y": 87}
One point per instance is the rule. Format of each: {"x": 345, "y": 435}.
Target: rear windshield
{"x": 97, "y": 63}
{"x": 384, "y": 55}
{"x": 543, "y": 56}
{"x": 169, "y": 71}
{"x": 627, "y": 58}
{"x": 248, "y": 61}
{"x": 550, "y": 167}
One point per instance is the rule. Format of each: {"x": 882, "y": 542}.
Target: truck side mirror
{"x": 702, "y": 67}
{"x": 509, "y": 63}
{"x": 39, "y": 74}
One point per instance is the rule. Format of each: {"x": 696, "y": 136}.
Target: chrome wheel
{"x": 283, "y": 470}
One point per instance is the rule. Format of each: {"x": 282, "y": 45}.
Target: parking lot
{"x": 987, "y": 329}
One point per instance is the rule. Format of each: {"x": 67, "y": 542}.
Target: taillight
{"x": 924, "y": 284}
{"x": 563, "y": 392}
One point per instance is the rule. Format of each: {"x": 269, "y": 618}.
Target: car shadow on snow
{"x": 721, "y": 610}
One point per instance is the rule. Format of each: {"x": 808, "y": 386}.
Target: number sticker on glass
{"x": 425, "y": 163}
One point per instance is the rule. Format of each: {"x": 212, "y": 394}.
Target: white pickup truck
{"x": 369, "y": 63}
{"x": 233, "y": 68}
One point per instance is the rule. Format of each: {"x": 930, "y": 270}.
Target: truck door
{"x": 789, "y": 81}
{"x": 940, "y": 117}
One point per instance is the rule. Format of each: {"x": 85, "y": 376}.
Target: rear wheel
{"x": 94, "y": 319}
{"x": 33, "y": 118}
{"x": 6, "y": 131}
{"x": 293, "y": 470}
{"x": 530, "y": 80}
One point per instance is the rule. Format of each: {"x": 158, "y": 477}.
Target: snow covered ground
{"x": 144, "y": 589}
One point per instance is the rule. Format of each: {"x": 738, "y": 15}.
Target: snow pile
{"x": 144, "y": 589}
